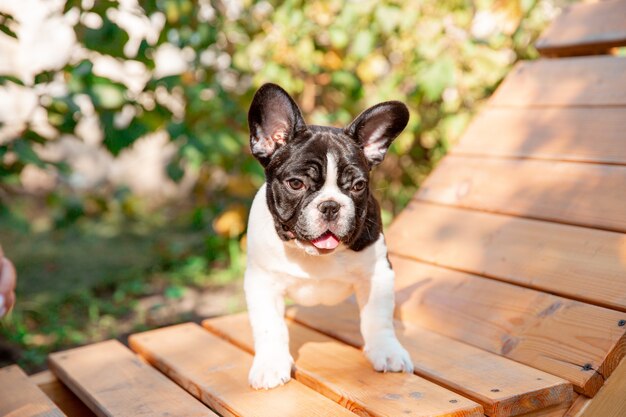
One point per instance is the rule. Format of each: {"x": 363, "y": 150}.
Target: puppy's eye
{"x": 358, "y": 186}
{"x": 295, "y": 184}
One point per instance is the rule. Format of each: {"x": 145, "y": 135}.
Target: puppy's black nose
{"x": 330, "y": 209}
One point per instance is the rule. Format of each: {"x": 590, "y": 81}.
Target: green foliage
{"x": 90, "y": 281}
{"x": 335, "y": 57}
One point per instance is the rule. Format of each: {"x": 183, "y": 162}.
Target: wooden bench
{"x": 585, "y": 29}
{"x": 511, "y": 279}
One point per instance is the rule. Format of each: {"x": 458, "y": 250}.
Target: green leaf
{"x": 70, "y": 4}
{"x": 348, "y": 82}
{"x": 176, "y": 129}
{"x": 104, "y": 93}
{"x": 44, "y": 77}
{"x": 5, "y": 19}
{"x": 116, "y": 139}
{"x": 174, "y": 292}
{"x": 100, "y": 7}
{"x": 175, "y": 171}
{"x": 78, "y": 76}
{"x": 436, "y": 78}
{"x": 63, "y": 113}
{"x": 83, "y": 69}
{"x": 26, "y": 154}
{"x": 62, "y": 167}
{"x": 388, "y": 17}
{"x": 168, "y": 82}
{"x": 338, "y": 37}
{"x": 10, "y": 78}
{"x": 108, "y": 95}
{"x": 108, "y": 39}
{"x": 33, "y": 136}
{"x": 363, "y": 44}
{"x": 156, "y": 118}
{"x": 145, "y": 54}
{"x": 5, "y": 29}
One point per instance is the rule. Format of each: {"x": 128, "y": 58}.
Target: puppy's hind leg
{"x": 266, "y": 308}
{"x": 376, "y": 302}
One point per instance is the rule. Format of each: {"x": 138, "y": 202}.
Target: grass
{"x": 93, "y": 280}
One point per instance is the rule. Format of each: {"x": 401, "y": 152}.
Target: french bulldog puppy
{"x": 315, "y": 232}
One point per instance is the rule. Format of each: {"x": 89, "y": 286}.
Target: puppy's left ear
{"x": 273, "y": 119}
{"x": 377, "y": 127}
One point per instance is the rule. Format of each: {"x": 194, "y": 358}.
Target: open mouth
{"x": 327, "y": 241}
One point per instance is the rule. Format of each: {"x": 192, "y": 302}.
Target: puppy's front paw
{"x": 270, "y": 370}
{"x": 388, "y": 355}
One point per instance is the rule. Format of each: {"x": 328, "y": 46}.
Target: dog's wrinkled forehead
{"x": 309, "y": 151}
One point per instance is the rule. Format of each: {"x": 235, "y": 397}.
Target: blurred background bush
{"x": 125, "y": 175}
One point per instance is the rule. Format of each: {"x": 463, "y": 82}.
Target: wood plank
{"x": 342, "y": 373}
{"x": 579, "y": 405}
{"x": 579, "y": 342}
{"x": 611, "y": 400}
{"x": 588, "y": 134}
{"x": 585, "y": 29}
{"x": 20, "y": 397}
{"x": 557, "y": 410}
{"x": 583, "y": 81}
{"x": 112, "y": 381}
{"x": 216, "y": 372}
{"x": 65, "y": 399}
{"x": 551, "y": 257}
{"x": 503, "y": 387}
{"x": 582, "y": 194}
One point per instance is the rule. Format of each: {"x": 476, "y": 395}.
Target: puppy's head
{"x": 318, "y": 177}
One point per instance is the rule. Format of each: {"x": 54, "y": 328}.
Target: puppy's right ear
{"x": 273, "y": 119}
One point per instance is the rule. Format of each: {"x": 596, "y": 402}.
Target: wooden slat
{"x": 553, "y": 411}
{"x": 558, "y": 410}
{"x": 585, "y": 28}
{"x": 342, "y": 373}
{"x": 578, "y": 407}
{"x": 547, "y": 256}
{"x": 20, "y": 397}
{"x": 112, "y": 381}
{"x": 503, "y": 387}
{"x": 611, "y": 400}
{"x": 568, "y": 134}
{"x": 584, "y": 81}
{"x": 582, "y": 194}
{"x": 65, "y": 399}
{"x": 216, "y": 372}
{"x": 575, "y": 341}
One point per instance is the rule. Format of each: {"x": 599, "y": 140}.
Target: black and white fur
{"x": 317, "y": 184}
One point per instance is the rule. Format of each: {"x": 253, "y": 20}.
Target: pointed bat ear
{"x": 273, "y": 119}
{"x": 377, "y": 127}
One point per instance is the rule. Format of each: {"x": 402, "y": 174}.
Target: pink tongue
{"x": 326, "y": 241}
